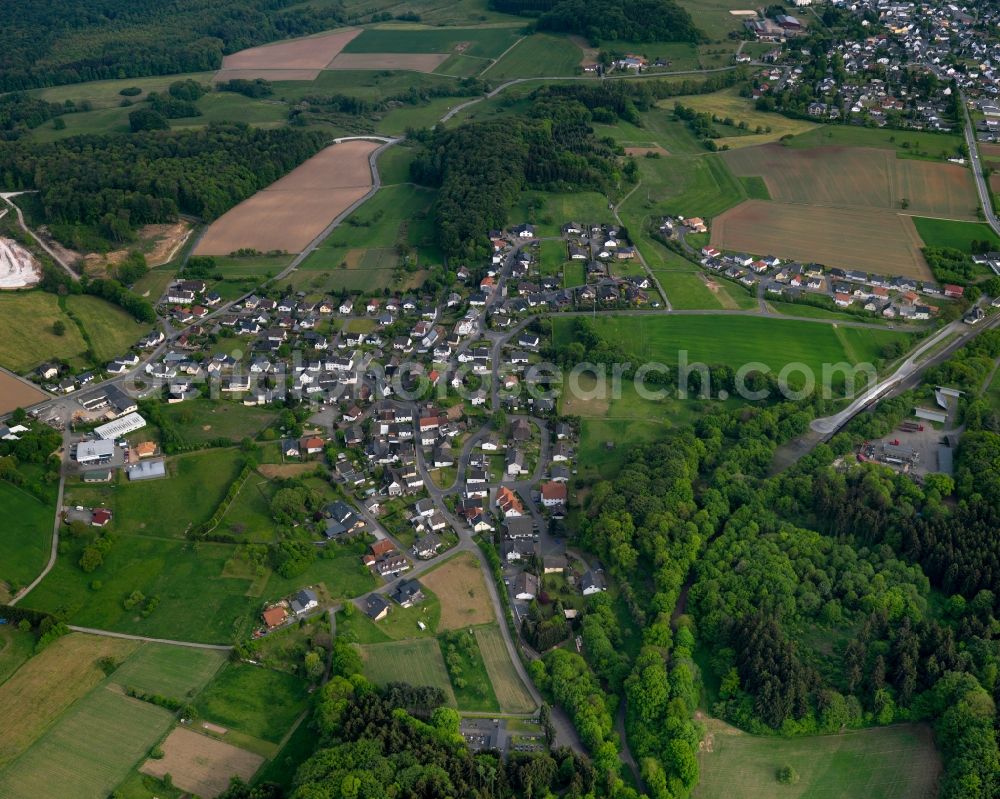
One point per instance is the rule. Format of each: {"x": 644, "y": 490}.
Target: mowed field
{"x": 292, "y": 211}
{"x": 26, "y": 337}
{"x": 460, "y": 586}
{"x": 25, "y": 535}
{"x": 859, "y": 177}
{"x": 507, "y": 685}
{"x": 297, "y": 59}
{"x": 38, "y": 693}
{"x": 111, "y": 329}
{"x": 418, "y": 662}
{"x": 201, "y": 765}
{"x": 736, "y": 340}
{"x": 898, "y": 762}
{"x": 85, "y": 735}
{"x": 90, "y": 750}
{"x": 871, "y": 240}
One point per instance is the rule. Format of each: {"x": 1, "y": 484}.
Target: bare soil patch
{"x": 883, "y": 242}
{"x": 464, "y": 598}
{"x": 167, "y": 240}
{"x": 859, "y": 177}
{"x": 292, "y": 211}
{"x": 644, "y": 151}
{"x": 990, "y": 150}
{"x": 16, "y": 394}
{"x": 415, "y": 62}
{"x": 278, "y": 470}
{"x": 18, "y": 267}
{"x": 309, "y": 53}
{"x": 201, "y": 765}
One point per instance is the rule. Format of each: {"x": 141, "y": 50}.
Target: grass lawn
{"x": 25, "y": 536}
{"x": 112, "y": 330}
{"x": 254, "y": 700}
{"x": 197, "y": 603}
{"x": 595, "y": 460}
{"x": 394, "y": 164}
{"x": 734, "y": 341}
{"x": 43, "y": 688}
{"x": 549, "y": 211}
{"x": 907, "y": 144}
{"x": 551, "y": 257}
{"x": 537, "y": 56}
{"x": 15, "y": 648}
{"x": 470, "y": 680}
{"x": 729, "y": 103}
{"x": 194, "y": 487}
{"x": 510, "y": 692}
{"x": 417, "y": 662}
{"x": 338, "y": 567}
{"x": 300, "y": 746}
{"x": 960, "y": 235}
{"x": 258, "y": 267}
{"x": 90, "y": 749}
{"x": 202, "y": 420}
{"x": 249, "y": 516}
{"x": 686, "y": 290}
{"x": 174, "y": 671}
{"x": 395, "y": 214}
{"x": 713, "y": 16}
{"x": 154, "y": 283}
{"x": 26, "y": 337}
{"x": 897, "y": 762}
{"x": 482, "y": 42}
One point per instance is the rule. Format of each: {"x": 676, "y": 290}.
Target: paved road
{"x": 188, "y": 644}
{"x": 982, "y": 185}
{"x": 908, "y": 370}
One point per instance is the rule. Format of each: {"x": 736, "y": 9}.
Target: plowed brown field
{"x": 879, "y": 241}
{"x": 292, "y": 211}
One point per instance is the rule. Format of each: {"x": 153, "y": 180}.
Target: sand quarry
{"x": 18, "y": 267}
{"x": 293, "y": 211}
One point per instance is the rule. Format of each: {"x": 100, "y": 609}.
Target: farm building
{"x": 148, "y": 470}
{"x": 97, "y": 476}
{"x": 94, "y": 451}
{"x": 121, "y": 427}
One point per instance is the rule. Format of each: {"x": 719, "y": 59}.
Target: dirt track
{"x": 292, "y": 211}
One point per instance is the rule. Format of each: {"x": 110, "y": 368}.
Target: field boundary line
{"x": 497, "y": 59}
{"x": 148, "y": 640}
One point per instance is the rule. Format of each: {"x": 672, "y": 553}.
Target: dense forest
{"x": 112, "y": 184}
{"x": 48, "y": 43}
{"x": 609, "y": 20}
{"x": 482, "y": 168}
{"x": 822, "y": 599}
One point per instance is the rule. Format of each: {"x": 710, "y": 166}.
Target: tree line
{"x": 109, "y": 185}
{"x": 49, "y": 44}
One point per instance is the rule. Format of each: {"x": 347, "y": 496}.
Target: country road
{"x": 982, "y": 185}
{"x": 515, "y": 81}
{"x": 642, "y": 258}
